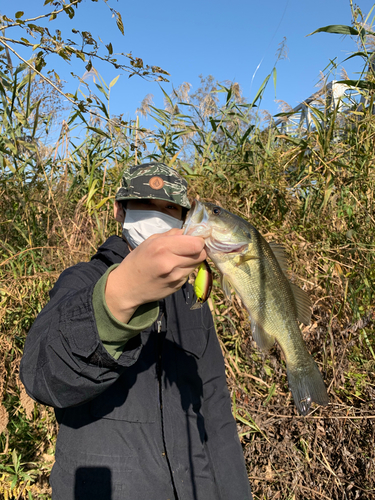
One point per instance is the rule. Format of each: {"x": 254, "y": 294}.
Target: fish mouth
{"x": 196, "y": 222}
{"x": 218, "y": 240}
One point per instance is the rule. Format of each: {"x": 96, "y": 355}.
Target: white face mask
{"x": 140, "y": 224}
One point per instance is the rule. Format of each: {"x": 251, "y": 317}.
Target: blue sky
{"x": 234, "y": 40}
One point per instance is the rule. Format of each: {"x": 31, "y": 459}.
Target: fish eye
{"x": 216, "y": 211}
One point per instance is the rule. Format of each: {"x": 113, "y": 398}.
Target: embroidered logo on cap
{"x": 156, "y": 182}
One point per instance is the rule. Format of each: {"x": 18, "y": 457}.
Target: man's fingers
{"x": 171, "y": 232}
{"x": 184, "y": 245}
{"x": 175, "y": 242}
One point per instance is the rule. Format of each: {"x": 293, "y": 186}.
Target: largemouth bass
{"x": 256, "y": 271}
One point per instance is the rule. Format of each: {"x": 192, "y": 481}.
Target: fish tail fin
{"x": 307, "y": 385}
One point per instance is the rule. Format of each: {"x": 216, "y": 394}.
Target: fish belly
{"x": 270, "y": 304}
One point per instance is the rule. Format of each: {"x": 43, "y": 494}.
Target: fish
{"x": 256, "y": 270}
{"x": 202, "y": 284}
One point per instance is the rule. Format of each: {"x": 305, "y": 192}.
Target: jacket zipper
{"x": 160, "y": 381}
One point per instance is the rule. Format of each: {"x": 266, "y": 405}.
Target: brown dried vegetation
{"x": 330, "y": 453}
{"x": 313, "y": 194}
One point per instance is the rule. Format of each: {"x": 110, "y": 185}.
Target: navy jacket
{"x": 156, "y": 424}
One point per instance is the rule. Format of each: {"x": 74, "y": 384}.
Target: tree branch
{"x": 42, "y": 16}
{"x": 50, "y": 82}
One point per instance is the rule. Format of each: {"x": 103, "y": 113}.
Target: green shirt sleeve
{"x": 112, "y": 332}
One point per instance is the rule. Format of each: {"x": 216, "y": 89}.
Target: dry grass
{"x": 312, "y": 194}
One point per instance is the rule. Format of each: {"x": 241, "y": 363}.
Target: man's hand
{"x": 155, "y": 269}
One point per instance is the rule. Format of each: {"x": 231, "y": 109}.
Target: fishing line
{"x": 269, "y": 44}
{"x": 202, "y": 318}
{"x": 191, "y": 301}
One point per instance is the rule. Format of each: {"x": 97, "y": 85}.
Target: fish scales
{"x": 248, "y": 264}
{"x": 266, "y": 305}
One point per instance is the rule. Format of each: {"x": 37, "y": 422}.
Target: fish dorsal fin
{"x": 303, "y": 304}
{"x": 263, "y": 340}
{"x": 279, "y": 252}
{"x": 225, "y": 285}
{"x": 302, "y": 300}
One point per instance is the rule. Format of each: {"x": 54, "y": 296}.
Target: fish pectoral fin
{"x": 226, "y": 286}
{"x": 303, "y": 304}
{"x": 242, "y": 258}
{"x": 263, "y": 339}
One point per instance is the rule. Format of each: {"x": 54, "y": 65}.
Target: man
{"x": 135, "y": 376}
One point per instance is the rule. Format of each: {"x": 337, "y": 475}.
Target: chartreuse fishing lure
{"x": 202, "y": 284}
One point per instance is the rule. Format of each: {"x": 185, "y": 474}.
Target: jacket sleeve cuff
{"x": 114, "y": 334}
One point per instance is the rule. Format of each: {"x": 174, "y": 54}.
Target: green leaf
{"x": 39, "y": 61}
{"x": 338, "y": 29}
{"x": 99, "y": 131}
{"x": 317, "y": 112}
{"x": 213, "y": 124}
{"x": 102, "y": 107}
{"x": 229, "y": 93}
{"x": 246, "y": 134}
{"x": 270, "y": 394}
{"x": 293, "y": 140}
{"x": 357, "y": 54}
{"x": 92, "y": 191}
{"x": 14, "y": 459}
{"x": 261, "y": 90}
{"x": 167, "y": 97}
{"x": 113, "y": 82}
{"x": 14, "y": 482}
{"x": 289, "y": 113}
{"x": 360, "y": 84}
{"x": 102, "y": 202}
{"x": 119, "y": 22}
{"x": 36, "y": 120}
{"x": 369, "y": 14}
{"x": 69, "y": 11}
{"x": 80, "y": 54}
{"x": 19, "y": 14}
{"x": 110, "y": 48}
{"x": 187, "y": 168}
{"x": 72, "y": 96}
{"x": 317, "y": 123}
{"x": 102, "y": 90}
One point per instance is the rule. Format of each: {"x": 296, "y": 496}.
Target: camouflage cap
{"x": 153, "y": 180}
